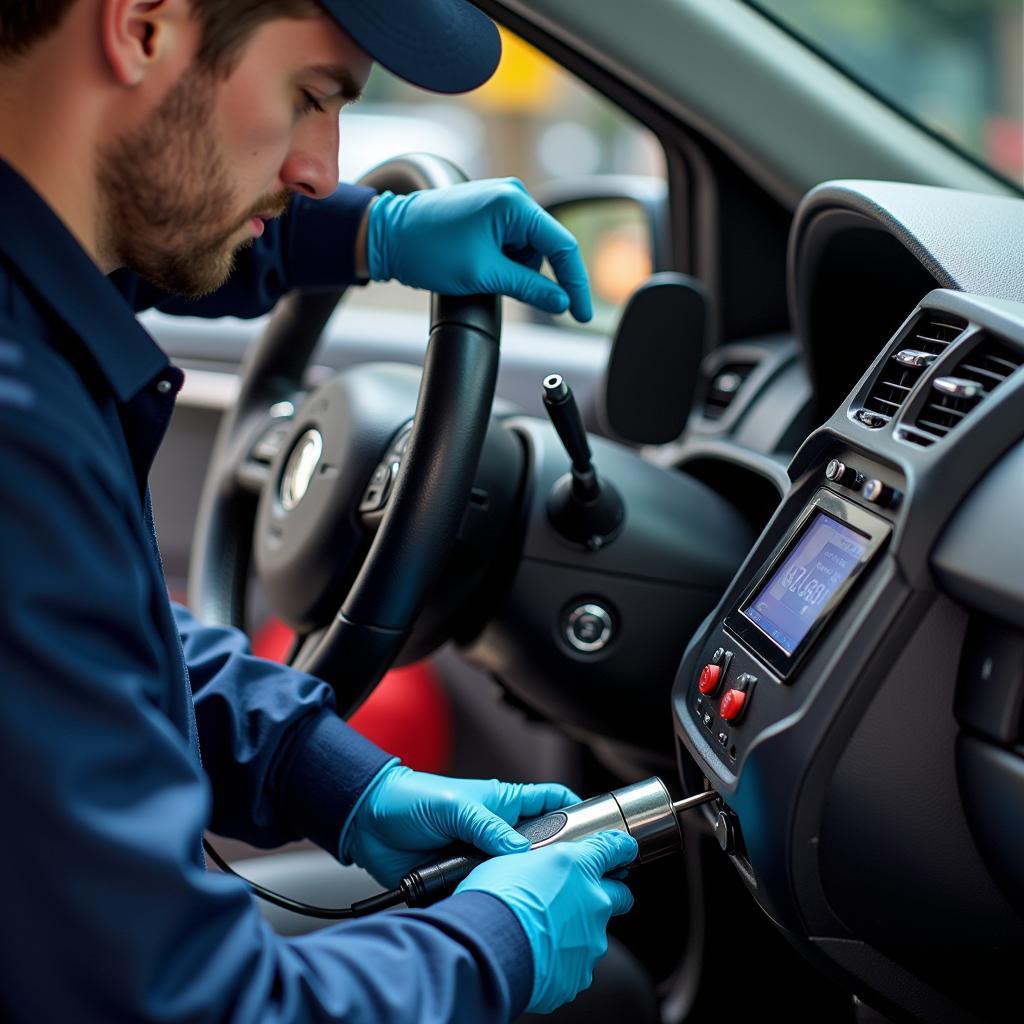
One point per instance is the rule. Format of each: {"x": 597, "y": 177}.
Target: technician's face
{"x": 194, "y": 184}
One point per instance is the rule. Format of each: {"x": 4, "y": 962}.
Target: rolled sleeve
{"x": 283, "y": 765}
{"x": 321, "y": 238}
{"x": 311, "y": 248}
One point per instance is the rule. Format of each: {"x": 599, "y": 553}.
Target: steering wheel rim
{"x": 427, "y": 501}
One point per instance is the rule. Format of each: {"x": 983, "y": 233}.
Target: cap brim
{"x": 442, "y": 45}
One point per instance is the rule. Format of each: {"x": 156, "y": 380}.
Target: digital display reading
{"x": 788, "y": 605}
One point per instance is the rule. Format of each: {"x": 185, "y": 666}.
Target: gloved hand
{"x": 563, "y": 901}
{"x": 477, "y": 237}
{"x": 404, "y": 816}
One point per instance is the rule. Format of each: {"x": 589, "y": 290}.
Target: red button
{"x": 732, "y": 704}
{"x": 709, "y": 679}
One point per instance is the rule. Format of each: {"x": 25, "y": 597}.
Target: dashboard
{"x": 815, "y": 603}
{"x": 856, "y": 696}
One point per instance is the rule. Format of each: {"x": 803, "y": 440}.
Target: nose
{"x": 311, "y": 166}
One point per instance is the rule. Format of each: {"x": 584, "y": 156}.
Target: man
{"x": 158, "y": 141}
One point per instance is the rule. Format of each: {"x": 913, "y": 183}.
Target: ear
{"x": 138, "y": 36}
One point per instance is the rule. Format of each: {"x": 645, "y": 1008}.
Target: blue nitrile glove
{"x": 404, "y": 816}
{"x": 477, "y": 237}
{"x": 563, "y": 901}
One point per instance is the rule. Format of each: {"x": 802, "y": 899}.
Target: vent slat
{"x": 1007, "y": 365}
{"x": 966, "y": 369}
{"x": 940, "y": 429}
{"x": 931, "y": 334}
{"x": 986, "y": 367}
{"x": 946, "y": 410}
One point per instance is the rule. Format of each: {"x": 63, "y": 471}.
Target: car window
{"x": 954, "y": 66}
{"x": 533, "y": 120}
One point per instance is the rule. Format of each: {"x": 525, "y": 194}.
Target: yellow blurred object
{"x": 621, "y": 263}
{"x": 525, "y": 81}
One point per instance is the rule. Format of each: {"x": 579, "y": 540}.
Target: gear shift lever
{"x": 581, "y": 507}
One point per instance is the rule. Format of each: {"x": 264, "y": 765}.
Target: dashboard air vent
{"x": 724, "y": 387}
{"x": 926, "y": 341}
{"x": 955, "y": 395}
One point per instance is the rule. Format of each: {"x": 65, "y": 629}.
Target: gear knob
{"x": 581, "y": 507}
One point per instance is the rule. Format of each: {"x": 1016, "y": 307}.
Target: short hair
{"x": 225, "y": 25}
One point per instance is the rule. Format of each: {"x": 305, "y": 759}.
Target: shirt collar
{"x": 61, "y": 272}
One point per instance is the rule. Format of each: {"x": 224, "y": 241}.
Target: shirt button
{"x": 163, "y": 386}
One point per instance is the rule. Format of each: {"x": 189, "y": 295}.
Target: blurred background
{"x": 532, "y": 121}
{"x": 956, "y": 66}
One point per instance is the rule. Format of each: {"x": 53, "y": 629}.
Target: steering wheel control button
{"x": 403, "y": 442}
{"x": 840, "y": 473}
{"x": 723, "y": 739}
{"x": 881, "y": 494}
{"x": 709, "y": 679}
{"x": 708, "y": 719}
{"x": 588, "y": 628}
{"x": 300, "y": 468}
{"x": 377, "y": 490}
{"x": 732, "y": 704}
{"x": 267, "y": 447}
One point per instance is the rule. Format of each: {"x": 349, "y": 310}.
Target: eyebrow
{"x": 351, "y": 90}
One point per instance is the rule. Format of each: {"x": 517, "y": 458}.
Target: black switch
{"x": 880, "y": 494}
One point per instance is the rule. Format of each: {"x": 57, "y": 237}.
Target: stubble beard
{"x": 166, "y": 195}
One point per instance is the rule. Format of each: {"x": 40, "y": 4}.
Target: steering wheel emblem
{"x": 300, "y": 467}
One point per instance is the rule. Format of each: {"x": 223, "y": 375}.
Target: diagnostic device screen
{"x": 786, "y": 608}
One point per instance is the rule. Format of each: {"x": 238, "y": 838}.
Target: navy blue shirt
{"x": 127, "y": 727}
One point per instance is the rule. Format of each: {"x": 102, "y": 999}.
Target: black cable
{"x": 362, "y": 908}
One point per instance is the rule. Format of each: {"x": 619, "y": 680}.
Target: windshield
{"x": 955, "y": 66}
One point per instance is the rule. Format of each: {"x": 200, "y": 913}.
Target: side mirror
{"x": 621, "y": 223}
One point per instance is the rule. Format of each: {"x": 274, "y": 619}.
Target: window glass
{"x": 956, "y": 66}
{"x": 533, "y": 120}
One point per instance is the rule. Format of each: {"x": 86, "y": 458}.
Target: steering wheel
{"x": 293, "y": 475}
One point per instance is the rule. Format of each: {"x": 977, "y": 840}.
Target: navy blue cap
{"x": 442, "y": 45}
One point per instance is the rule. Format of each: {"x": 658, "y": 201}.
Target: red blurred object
{"x": 1004, "y": 145}
{"x": 408, "y": 714}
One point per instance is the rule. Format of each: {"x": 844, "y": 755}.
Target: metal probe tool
{"x": 690, "y": 802}
{"x": 645, "y": 810}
